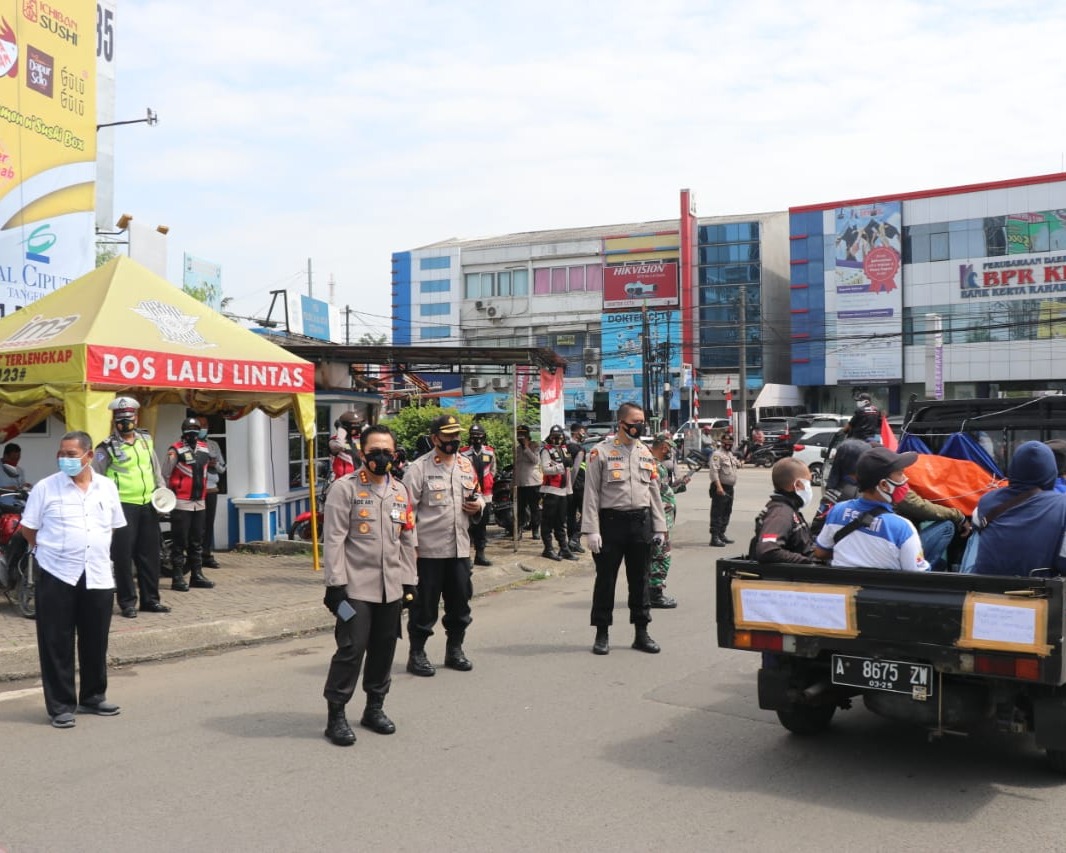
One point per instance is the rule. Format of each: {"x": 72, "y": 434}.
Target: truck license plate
{"x": 895, "y": 676}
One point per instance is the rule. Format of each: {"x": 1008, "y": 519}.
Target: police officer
{"x": 623, "y": 517}
{"x": 781, "y": 531}
{"x": 577, "y": 486}
{"x": 483, "y": 457}
{"x": 344, "y": 444}
{"x": 724, "y": 467}
{"x": 527, "y": 478}
{"x": 185, "y": 470}
{"x": 555, "y": 465}
{"x": 128, "y": 457}
{"x": 368, "y": 535}
{"x": 444, "y": 493}
{"x": 215, "y": 469}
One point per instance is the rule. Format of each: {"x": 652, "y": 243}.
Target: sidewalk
{"x": 257, "y": 597}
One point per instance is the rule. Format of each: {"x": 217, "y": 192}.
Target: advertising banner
{"x": 202, "y": 280}
{"x": 622, "y": 338}
{"x": 479, "y": 404}
{"x": 863, "y": 291}
{"x": 635, "y": 284}
{"x": 47, "y": 146}
{"x": 578, "y": 393}
{"x": 551, "y": 400}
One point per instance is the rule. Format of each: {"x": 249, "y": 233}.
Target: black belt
{"x": 623, "y": 513}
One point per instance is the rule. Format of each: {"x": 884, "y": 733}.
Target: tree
{"x": 367, "y": 339}
{"x": 104, "y": 254}
{"x": 412, "y": 422}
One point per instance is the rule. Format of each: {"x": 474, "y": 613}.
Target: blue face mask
{"x": 71, "y": 467}
{"x": 202, "y": 433}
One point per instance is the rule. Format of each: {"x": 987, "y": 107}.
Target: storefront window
{"x": 299, "y": 476}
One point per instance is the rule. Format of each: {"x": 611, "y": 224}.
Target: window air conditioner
{"x": 493, "y": 312}
{"x": 500, "y": 383}
{"x": 476, "y": 383}
{"x": 479, "y": 305}
{"x": 592, "y": 370}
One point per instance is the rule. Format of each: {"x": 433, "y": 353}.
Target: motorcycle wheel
{"x": 504, "y": 518}
{"x": 25, "y": 599}
{"x": 301, "y": 530}
{"x": 764, "y": 460}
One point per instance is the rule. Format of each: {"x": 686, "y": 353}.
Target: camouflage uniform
{"x": 660, "y": 554}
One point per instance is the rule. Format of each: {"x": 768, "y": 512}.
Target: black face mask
{"x": 475, "y": 442}
{"x": 378, "y": 462}
{"x": 191, "y": 438}
{"x": 633, "y": 431}
{"x": 449, "y": 448}
{"x": 124, "y": 426}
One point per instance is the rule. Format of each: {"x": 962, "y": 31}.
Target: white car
{"x": 811, "y": 447}
{"x": 639, "y": 288}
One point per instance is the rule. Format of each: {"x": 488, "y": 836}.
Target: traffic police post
{"x": 623, "y": 516}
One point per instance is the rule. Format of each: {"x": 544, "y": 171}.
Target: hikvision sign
{"x": 1017, "y": 277}
{"x": 645, "y": 283}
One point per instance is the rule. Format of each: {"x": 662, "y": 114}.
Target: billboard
{"x": 633, "y": 285}
{"x": 622, "y": 340}
{"x": 202, "y": 280}
{"x": 47, "y": 146}
{"x": 863, "y": 291}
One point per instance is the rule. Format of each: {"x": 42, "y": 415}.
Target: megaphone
{"x": 164, "y": 500}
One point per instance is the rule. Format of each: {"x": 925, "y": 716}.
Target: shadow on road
{"x": 271, "y": 724}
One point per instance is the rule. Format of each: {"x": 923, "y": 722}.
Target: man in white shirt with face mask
{"x": 781, "y": 531}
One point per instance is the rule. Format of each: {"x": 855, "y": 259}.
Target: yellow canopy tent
{"x": 124, "y": 329}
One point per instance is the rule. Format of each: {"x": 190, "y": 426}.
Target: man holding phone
{"x": 445, "y": 495}
{"x": 369, "y": 542}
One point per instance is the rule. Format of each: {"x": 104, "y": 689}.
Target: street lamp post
{"x": 668, "y": 394}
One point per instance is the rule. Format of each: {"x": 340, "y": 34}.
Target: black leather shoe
{"x": 418, "y": 664}
{"x": 568, "y": 555}
{"x": 179, "y": 584}
{"x": 211, "y": 563}
{"x": 337, "y": 729}
{"x": 717, "y": 543}
{"x": 726, "y": 539}
{"x": 549, "y": 554}
{"x": 481, "y": 560}
{"x": 374, "y": 718}
{"x": 601, "y": 646}
{"x": 643, "y": 643}
{"x": 660, "y": 600}
{"x": 575, "y": 547}
{"x": 198, "y": 581}
{"x": 155, "y": 607}
{"x": 101, "y": 709}
{"x": 129, "y": 612}
{"x": 454, "y": 658}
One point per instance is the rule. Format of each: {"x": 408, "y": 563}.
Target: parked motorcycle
{"x": 502, "y": 505}
{"x": 18, "y": 567}
{"x": 768, "y": 454}
{"x": 301, "y": 525}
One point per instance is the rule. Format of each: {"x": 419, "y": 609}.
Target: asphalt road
{"x": 543, "y": 747}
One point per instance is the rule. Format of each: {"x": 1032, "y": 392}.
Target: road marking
{"x": 20, "y": 694}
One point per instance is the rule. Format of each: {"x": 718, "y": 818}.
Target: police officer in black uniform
{"x": 865, "y": 424}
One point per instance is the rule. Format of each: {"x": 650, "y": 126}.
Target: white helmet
{"x": 123, "y": 406}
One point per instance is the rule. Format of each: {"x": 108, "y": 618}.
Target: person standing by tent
{"x": 128, "y": 458}
{"x": 527, "y": 477}
{"x": 344, "y": 444}
{"x": 215, "y": 469}
{"x": 186, "y": 471}
{"x": 555, "y": 465}
{"x": 483, "y": 457}
{"x": 576, "y": 499}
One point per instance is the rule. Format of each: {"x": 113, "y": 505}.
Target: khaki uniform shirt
{"x": 623, "y": 477}
{"x": 551, "y": 464}
{"x": 724, "y": 465}
{"x": 526, "y": 465}
{"x": 368, "y": 537}
{"x": 437, "y": 493}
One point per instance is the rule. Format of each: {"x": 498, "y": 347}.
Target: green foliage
{"x": 367, "y": 339}
{"x": 104, "y": 254}
{"x": 413, "y": 421}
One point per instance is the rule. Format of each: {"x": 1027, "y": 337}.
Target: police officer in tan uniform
{"x": 623, "y": 516}
{"x": 445, "y": 495}
{"x": 369, "y": 540}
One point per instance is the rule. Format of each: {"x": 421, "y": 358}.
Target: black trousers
{"x": 626, "y": 536}
{"x": 63, "y": 612}
{"x": 478, "y": 534}
{"x": 529, "y": 502}
{"x": 573, "y": 510}
{"x": 137, "y": 543}
{"x": 186, "y": 540}
{"x": 209, "y": 524}
{"x": 448, "y": 577}
{"x": 721, "y": 510}
{"x": 371, "y": 632}
{"x": 553, "y": 521}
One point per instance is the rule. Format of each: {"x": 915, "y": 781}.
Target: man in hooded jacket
{"x": 1023, "y": 526}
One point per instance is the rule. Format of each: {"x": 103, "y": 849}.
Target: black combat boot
{"x": 337, "y": 729}
{"x": 660, "y": 599}
{"x": 480, "y": 559}
{"x": 717, "y": 541}
{"x": 726, "y": 539}
{"x": 198, "y": 581}
{"x": 177, "y": 578}
{"x": 567, "y": 554}
{"x": 575, "y": 546}
{"x": 549, "y": 554}
{"x": 643, "y": 643}
{"x": 454, "y": 657}
{"x": 601, "y": 646}
{"x": 418, "y": 663}
{"x": 374, "y": 717}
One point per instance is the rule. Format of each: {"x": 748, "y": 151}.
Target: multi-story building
{"x": 956, "y": 292}
{"x": 610, "y": 300}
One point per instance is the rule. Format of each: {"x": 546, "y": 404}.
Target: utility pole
{"x": 742, "y": 317}
{"x": 310, "y": 291}
{"x": 645, "y": 359}
{"x": 348, "y": 325}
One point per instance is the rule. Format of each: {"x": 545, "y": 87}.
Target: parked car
{"x": 600, "y": 429}
{"x": 811, "y": 448}
{"x": 781, "y": 429}
{"x": 718, "y": 427}
{"x": 823, "y": 419}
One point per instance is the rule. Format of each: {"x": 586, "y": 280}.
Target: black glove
{"x": 410, "y": 596}
{"x": 334, "y": 596}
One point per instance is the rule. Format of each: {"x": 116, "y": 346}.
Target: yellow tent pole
{"x": 314, "y": 508}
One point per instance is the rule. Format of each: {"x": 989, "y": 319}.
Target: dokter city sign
{"x": 1018, "y": 277}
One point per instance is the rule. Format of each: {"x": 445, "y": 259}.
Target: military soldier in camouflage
{"x": 445, "y": 495}
{"x": 661, "y": 448}
{"x": 623, "y": 517}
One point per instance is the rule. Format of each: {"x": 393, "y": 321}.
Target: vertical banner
{"x": 47, "y": 146}
{"x": 105, "y": 114}
{"x": 551, "y": 400}
{"x": 687, "y": 258}
{"x": 202, "y": 280}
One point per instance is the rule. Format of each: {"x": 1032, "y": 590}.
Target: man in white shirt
{"x": 68, "y": 519}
